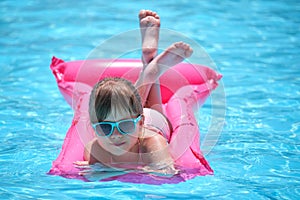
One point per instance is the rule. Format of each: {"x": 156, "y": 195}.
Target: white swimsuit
{"x": 157, "y": 121}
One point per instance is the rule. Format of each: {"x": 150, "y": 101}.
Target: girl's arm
{"x": 157, "y": 157}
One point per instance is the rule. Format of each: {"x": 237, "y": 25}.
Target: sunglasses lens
{"x": 103, "y": 129}
{"x": 127, "y": 126}
{"x": 123, "y": 126}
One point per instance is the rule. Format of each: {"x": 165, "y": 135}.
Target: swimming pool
{"x": 255, "y": 45}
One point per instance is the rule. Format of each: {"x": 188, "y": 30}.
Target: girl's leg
{"x": 148, "y": 82}
{"x": 173, "y": 55}
{"x": 149, "y": 26}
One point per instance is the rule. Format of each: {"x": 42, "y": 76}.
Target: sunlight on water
{"x": 254, "y": 44}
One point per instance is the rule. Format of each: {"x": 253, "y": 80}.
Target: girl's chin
{"x": 118, "y": 150}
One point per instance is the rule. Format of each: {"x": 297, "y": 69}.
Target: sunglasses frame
{"x": 116, "y": 125}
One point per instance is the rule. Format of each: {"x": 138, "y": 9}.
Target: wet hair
{"x": 113, "y": 93}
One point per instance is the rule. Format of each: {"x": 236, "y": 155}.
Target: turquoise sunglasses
{"x": 126, "y": 126}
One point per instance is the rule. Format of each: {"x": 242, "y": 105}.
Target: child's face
{"x": 118, "y": 143}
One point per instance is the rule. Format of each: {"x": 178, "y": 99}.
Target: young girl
{"x": 130, "y": 129}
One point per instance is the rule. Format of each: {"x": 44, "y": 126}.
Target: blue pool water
{"x": 254, "y": 44}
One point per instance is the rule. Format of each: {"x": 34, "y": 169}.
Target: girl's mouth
{"x": 119, "y": 144}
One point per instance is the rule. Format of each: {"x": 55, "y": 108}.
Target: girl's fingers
{"x": 82, "y": 164}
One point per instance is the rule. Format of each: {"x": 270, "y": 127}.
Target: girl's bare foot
{"x": 149, "y": 26}
{"x": 173, "y": 55}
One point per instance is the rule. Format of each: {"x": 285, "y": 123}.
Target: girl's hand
{"x": 98, "y": 171}
{"x": 84, "y": 167}
{"x": 81, "y": 164}
{"x": 167, "y": 171}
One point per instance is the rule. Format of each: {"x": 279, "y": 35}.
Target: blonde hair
{"x": 112, "y": 93}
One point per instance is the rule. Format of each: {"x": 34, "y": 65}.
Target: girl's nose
{"x": 116, "y": 133}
